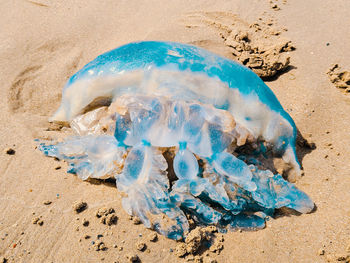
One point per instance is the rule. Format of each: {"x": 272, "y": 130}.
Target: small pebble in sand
{"x": 37, "y": 221}
{"x": 3, "y": 260}
{"x": 58, "y": 167}
{"x": 153, "y": 237}
{"x": 141, "y": 246}
{"x": 79, "y": 207}
{"x": 86, "y": 222}
{"x": 136, "y": 220}
{"x": 87, "y": 236}
{"x": 100, "y": 246}
{"x": 275, "y": 7}
{"x": 47, "y": 202}
{"x": 321, "y": 252}
{"x": 133, "y": 258}
{"x": 10, "y": 151}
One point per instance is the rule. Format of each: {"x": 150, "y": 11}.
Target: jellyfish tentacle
{"x": 224, "y": 192}
{"x": 236, "y": 170}
{"x": 145, "y": 182}
{"x": 196, "y": 207}
{"x": 275, "y": 192}
{"x": 89, "y": 156}
{"x": 190, "y": 189}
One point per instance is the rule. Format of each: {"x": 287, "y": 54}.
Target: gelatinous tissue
{"x": 185, "y": 133}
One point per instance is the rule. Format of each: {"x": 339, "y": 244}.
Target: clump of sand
{"x": 10, "y": 151}
{"x": 107, "y": 216}
{"x": 274, "y": 4}
{"x": 38, "y": 221}
{"x": 79, "y": 207}
{"x": 258, "y": 46}
{"x": 133, "y": 258}
{"x": 199, "y": 240}
{"x": 100, "y": 246}
{"x": 340, "y": 257}
{"x": 340, "y": 78}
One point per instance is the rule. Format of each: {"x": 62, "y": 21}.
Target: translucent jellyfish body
{"x": 186, "y": 135}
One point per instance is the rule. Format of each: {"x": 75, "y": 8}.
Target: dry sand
{"x": 43, "y": 42}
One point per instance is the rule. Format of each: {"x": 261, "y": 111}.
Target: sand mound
{"x": 258, "y": 46}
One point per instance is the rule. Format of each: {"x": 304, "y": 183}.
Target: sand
{"x": 42, "y": 43}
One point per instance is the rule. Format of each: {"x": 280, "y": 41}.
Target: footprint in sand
{"x": 339, "y": 77}
{"x": 37, "y": 87}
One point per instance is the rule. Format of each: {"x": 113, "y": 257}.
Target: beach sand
{"x": 42, "y": 43}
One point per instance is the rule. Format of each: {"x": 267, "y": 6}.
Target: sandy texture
{"x": 43, "y": 42}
